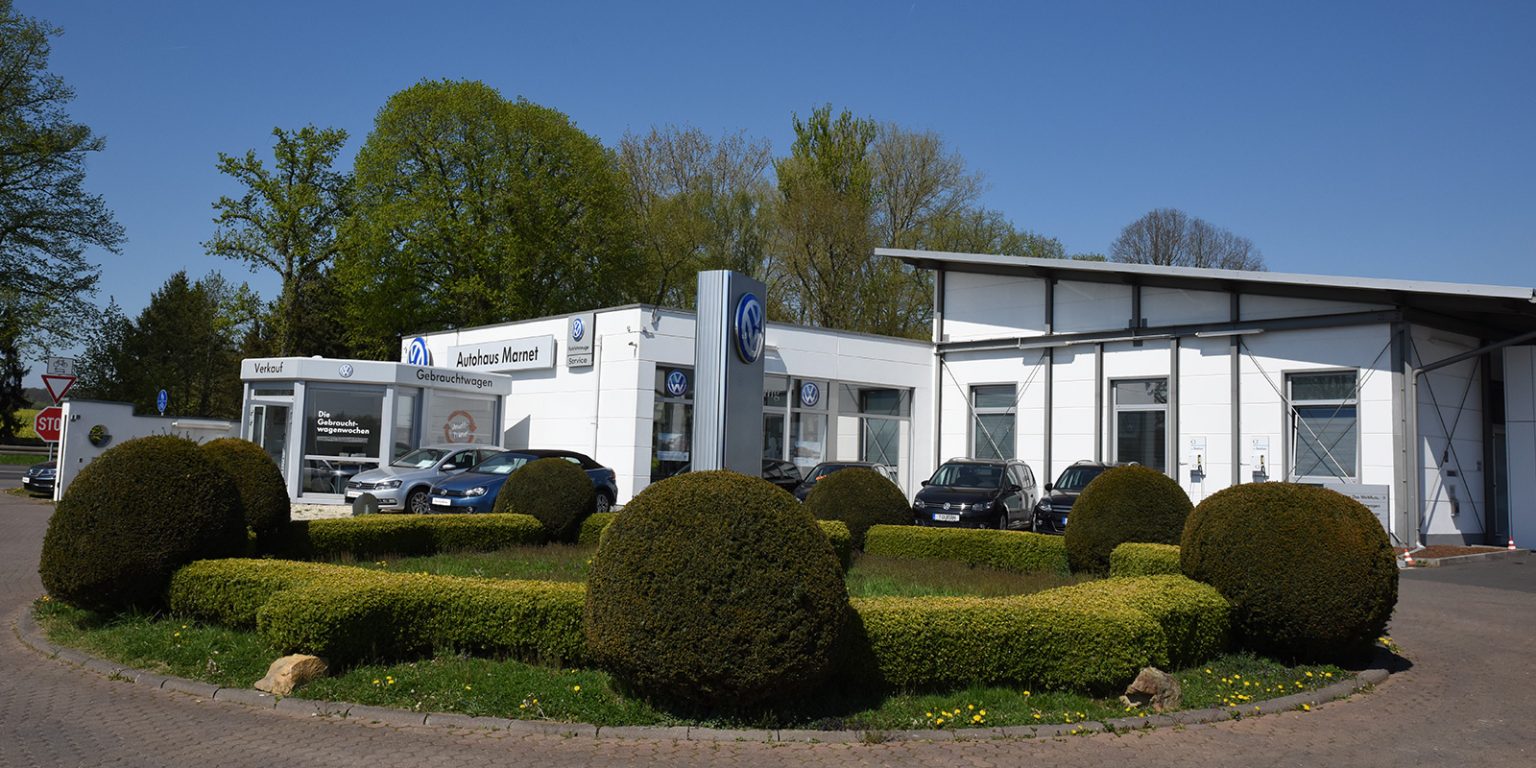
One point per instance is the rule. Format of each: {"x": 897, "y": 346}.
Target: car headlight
{"x": 478, "y": 490}
{"x": 388, "y": 484}
{"x": 982, "y": 506}
{"x": 919, "y": 504}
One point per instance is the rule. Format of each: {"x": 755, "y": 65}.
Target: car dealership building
{"x": 1416, "y": 398}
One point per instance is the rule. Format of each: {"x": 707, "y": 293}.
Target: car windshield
{"x": 967, "y": 475}
{"x": 421, "y": 458}
{"x": 1077, "y": 478}
{"x": 500, "y": 464}
{"x": 822, "y": 470}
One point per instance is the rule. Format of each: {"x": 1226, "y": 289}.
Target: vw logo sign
{"x": 677, "y": 383}
{"x": 418, "y": 354}
{"x": 946, "y": 505}
{"x": 749, "y": 328}
{"x": 345, "y": 370}
{"x": 810, "y": 394}
{"x": 578, "y": 329}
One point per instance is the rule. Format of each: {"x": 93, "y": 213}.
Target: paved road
{"x": 1469, "y": 700}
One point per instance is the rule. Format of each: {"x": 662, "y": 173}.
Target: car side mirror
{"x": 1014, "y": 488}
{"x": 1047, "y": 487}
{"x": 924, "y": 483}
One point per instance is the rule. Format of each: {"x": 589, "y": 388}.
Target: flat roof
{"x": 1497, "y": 307}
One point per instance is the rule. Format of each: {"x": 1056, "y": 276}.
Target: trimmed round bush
{"x": 132, "y": 517}
{"x": 263, "y": 495}
{"x": 555, "y": 491}
{"x": 715, "y": 590}
{"x": 1309, "y": 572}
{"x": 861, "y": 498}
{"x": 1130, "y": 503}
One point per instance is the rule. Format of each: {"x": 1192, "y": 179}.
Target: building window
{"x": 1325, "y": 425}
{"x": 993, "y": 411}
{"x": 1141, "y": 422}
{"x": 672, "y": 422}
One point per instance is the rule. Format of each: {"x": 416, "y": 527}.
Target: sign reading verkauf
{"x": 509, "y": 355}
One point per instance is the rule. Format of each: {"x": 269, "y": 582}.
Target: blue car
{"x": 475, "y": 490}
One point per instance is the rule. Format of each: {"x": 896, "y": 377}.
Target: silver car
{"x": 402, "y": 485}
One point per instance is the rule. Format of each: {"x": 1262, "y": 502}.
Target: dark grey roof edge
{"x": 994, "y": 262}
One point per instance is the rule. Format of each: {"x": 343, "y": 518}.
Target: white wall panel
{"x": 1520, "y": 441}
{"x": 1172, "y": 306}
{"x": 1255, "y": 307}
{"x": 1092, "y": 307}
{"x": 991, "y": 306}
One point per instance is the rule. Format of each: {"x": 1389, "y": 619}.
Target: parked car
{"x": 40, "y": 478}
{"x": 475, "y": 489}
{"x": 828, "y": 467}
{"x": 977, "y": 493}
{"x": 784, "y": 474}
{"x": 1050, "y": 514}
{"x": 405, "y": 484}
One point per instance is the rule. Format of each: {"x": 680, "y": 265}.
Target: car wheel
{"x": 417, "y": 503}
{"x": 1002, "y": 520}
{"x": 604, "y": 503}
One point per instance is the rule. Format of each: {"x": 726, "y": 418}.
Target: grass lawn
{"x": 500, "y": 688}
{"x": 870, "y": 576}
{"x": 24, "y": 459}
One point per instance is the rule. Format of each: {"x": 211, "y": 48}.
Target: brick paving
{"x": 1467, "y": 700}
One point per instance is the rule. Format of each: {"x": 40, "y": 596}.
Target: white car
{"x": 403, "y": 484}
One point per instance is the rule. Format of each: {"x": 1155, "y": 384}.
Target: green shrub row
{"x": 350, "y": 614}
{"x": 374, "y": 535}
{"x": 837, "y": 532}
{"x": 1094, "y": 636}
{"x": 1015, "y": 551}
{"x": 1137, "y": 559}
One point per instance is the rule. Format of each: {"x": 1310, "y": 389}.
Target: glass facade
{"x": 1325, "y": 425}
{"x": 1141, "y": 422}
{"x": 993, "y": 420}
{"x": 461, "y": 418}
{"x": 672, "y": 421}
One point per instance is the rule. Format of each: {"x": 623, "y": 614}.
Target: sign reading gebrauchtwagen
{"x": 579, "y": 332}
{"x": 511, "y": 355}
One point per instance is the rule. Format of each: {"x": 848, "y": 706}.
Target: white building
{"x": 1219, "y": 377}
{"x": 1215, "y": 377}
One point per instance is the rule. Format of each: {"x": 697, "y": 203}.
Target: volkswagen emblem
{"x": 810, "y": 394}
{"x": 749, "y": 328}
{"x": 946, "y": 505}
{"x": 345, "y": 370}
{"x": 677, "y": 383}
{"x": 578, "y": 329}
{"x": 418, "y": 354}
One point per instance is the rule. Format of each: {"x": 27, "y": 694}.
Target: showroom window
{"x": 671, "y": 421}
{"x": 1325, "y": 425}
{"x": 1141, "y": 422}
{"x": 994, "y": 413}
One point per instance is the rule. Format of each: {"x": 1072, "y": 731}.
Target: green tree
{"x": 47, "y": 219}
{"x": 700, "y": 203}
{"x": 1171, "y": 237}
{"x": 287, "y": 221}
{"x": 472, "y": 209}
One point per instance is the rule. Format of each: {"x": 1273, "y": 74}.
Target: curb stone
{"x": 26, "y": 629}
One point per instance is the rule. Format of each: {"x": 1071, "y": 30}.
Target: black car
{"x": 1051, "y": 513}
{"x": 977, "y": 493}
{"x": 828, "y": 467}
{"x": 784, "y": 474}
{"x": 40, "y": 478}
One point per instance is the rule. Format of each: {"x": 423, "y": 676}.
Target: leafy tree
{"x": 287, "y": 221}
{"x": 47, "y": 219}
{"x": 1171, "y": 237}
{"x": 472, "y": 209}
{"x": 700, "y": 203}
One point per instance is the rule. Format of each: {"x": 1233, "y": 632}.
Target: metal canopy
{"x": 1498, "y": 309}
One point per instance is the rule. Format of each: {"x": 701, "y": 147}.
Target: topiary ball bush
{"x": 132, "y": 517}
{"x": 556, "y": 491}
{"x": 1130, "y": 503}
{"x": 1309, "y": 572}
{"x": 861, "y": 498}
{"x": 715, "y": 591}
{"x": 263, "y": 494}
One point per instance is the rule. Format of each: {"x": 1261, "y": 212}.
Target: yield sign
{"x": 58, "y": 385}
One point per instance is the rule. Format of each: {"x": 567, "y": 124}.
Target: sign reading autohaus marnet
{"x": 510, "y": 355}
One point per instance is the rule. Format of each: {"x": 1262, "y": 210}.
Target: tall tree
{"x": 700, "y": 203}
{"x": 472, "y": 209}
{"x": 1172, "y": 238}
{"x": 47, "y": 219}
{"x": 287, "y": 221}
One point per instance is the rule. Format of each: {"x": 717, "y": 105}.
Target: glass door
{"x": 269, "y": 429}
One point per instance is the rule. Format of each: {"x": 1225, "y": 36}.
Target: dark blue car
{"x": 475, "y": 490}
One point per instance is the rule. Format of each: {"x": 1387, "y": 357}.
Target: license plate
{"x": 944, "y": 518}
{"x": 441, "y": 502}
{"x": 351, "y": 495}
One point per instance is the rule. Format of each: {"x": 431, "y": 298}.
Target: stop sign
{"x": 49, "y": 423}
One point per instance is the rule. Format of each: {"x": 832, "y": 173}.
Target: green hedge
{"x": 1093, "y": 636}
{"x": 1015, "y": 551}
{"x": 837, "y": 532}
{"x": 374, "y": 535}
{"x": 1136, "y": 559}
{"x": 229, "y": 592}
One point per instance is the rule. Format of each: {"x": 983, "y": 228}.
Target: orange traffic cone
{"x": 1408, "y": 558}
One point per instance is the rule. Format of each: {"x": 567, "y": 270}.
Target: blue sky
{"x": 1392, "y": 139}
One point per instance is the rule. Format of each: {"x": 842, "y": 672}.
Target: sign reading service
{"x": 578, "y": 340}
